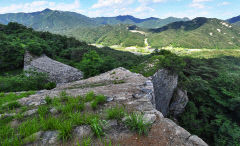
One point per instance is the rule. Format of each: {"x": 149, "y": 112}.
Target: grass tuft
{"x": 135, "y": 122}
{"x": 65, "y": 130}
{"x": 99, "y": 100}
{"x": 115, "y": 113}
{"x": 96, "y": 125}
{"x": 89, "y": 96}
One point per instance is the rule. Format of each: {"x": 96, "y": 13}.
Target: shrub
{"x": 24, "y": 82}
{"x": 50, "y": 85}
{"x": 135, "y": 122}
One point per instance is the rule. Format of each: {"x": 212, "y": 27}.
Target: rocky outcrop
{"x": 178, "y": 102}
{"x": 169, "y": 99}
{"x": 164, "y": 84}
{"x": 57, "y": 72}
{"x": 135, "y": 93}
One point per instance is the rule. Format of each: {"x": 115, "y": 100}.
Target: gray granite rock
{"x": 196, "y": 141}
{"x": 57, "y": 72}
{"x": 149, "y": 118}
{"x": 49, "y": 137}
{"x": 30, "y": 112}
{"x": 164, "y": 84}
{"x": 82, "y": 131}
{"x": 53, "y": 110}
{"x": 178, "y": 103}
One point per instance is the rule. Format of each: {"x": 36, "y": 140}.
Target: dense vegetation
{"x": 24, "y": 82}
{"x": 198, "y": 33}
{"x": 108, "y": 35}
{"x": 213, "y": 90}
{"x": 16, "y": 39}
{"x": 60, "y": 21}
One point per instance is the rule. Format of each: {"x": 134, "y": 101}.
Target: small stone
{"x": 149, "y": 118}
{"x": 148, "y": 83}
{"x": 53, "y": 111}
{"x": 109, "y": 99}
{"x": 33, "y": 137}
{"x": 137, "y": 96}
{"x": 83, "y": 131}
{"x": 120, "y": 98}
{"x": 30, "y": 112}
{"x": 195, "y": 140}
{"x": 110, "y": 124}
{"x": 49, "y": 137}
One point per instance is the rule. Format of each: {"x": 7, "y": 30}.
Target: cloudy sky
{"x": 222, "y": 9}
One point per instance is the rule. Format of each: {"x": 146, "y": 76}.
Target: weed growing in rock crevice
{"x": 135, "y": 122}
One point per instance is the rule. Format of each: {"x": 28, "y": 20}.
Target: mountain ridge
{"x": 67, "y": 18}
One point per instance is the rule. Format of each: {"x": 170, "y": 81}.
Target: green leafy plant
{"x": 65, "y": 130}
{"x": 96, "y": 126}
{"x": 89, "y": 96}
{"x": 135, "y": 122}
{"x": 115, "y": 113}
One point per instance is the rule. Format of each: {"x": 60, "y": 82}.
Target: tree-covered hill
{"x": 197, "y": 33}
{"x": 234, "y": 19}
{"x": 16, "y": 39}
{"x": 49, "y": 20}
{"x": 108, "y": 35}
{"x": 60, "y": 21}
{"x": 151, "y": 22}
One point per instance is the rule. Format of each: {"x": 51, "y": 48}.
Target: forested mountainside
{"x": 60, "y": 21}
{"x": 197, "y": 33}
{"x": 234, "y": 20}
{"x": 144, "y": 23}
{"x": 109, "y": 35}
{"x": 107, "y": 31}
{"x": 16, "y": 39}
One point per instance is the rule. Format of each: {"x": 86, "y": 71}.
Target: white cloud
{"x": 111, "y": 3}
{"x": 223, "y": 3}
{"x": 40, "y": 5}
{"x": 199, "y": 3}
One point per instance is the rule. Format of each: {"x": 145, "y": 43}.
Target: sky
{"x": 222, "y": 9}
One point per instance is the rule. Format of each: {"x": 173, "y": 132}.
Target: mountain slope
{"x": 234, "y": 19}
{"x": 48, "y": 20}
{"x": 60, "y": 21}
{"x": 144, "y": 23}
{"x": 198, "y": 33}
{"x": 108, "y": 35}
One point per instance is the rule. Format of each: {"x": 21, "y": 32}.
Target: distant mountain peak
{"x": 47, "y": 10}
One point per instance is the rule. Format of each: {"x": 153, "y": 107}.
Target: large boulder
{"x": 57, "y": 72}
{"x": 178, "y": 103}
{"x": 164, "y": 84}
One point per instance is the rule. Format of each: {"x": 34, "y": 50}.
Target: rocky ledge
{"x": 131, "y": 90}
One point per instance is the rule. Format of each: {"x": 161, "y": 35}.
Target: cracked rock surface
{"x": 136, "y": 93}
